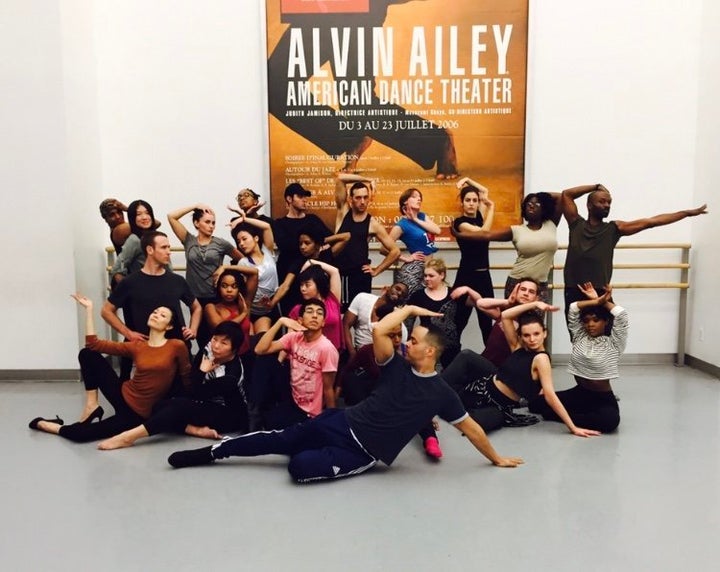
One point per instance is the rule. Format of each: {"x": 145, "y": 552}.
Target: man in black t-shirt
{"x": 287, "y": 230}
{"x": 153, "y": 286}
{"x": 342, "y": 443}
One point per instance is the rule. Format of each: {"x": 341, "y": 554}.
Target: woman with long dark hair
{"x": 141, "y": 219}
{"x": 474, "y": 269}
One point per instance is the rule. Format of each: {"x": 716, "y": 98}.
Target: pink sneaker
{"x": 432, "y": 448}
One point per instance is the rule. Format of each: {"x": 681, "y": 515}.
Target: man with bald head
{"x": 592, "y": 241}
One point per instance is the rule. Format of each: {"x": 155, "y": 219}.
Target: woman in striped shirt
{"x": 599, "y": 329}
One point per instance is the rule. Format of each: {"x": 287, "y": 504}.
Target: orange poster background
{"x": 489, "y": 146}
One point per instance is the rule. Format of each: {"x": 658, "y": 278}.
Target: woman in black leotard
{"x": 524, "y": 375}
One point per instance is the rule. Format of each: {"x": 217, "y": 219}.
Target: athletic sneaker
{"x": 191, "y": 458}
{"x": 432, "y": 448}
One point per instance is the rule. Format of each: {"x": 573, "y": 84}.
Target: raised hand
{"x": 84, "y": 301}
{"x": 588, "y": 290}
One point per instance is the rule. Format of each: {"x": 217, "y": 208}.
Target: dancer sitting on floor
{"x": 215, "y": 403}
{"x": 486, "y": 389}
{"x": 345, "y": 442}
{"x": 593, "y": 361}
{"x": 361, "y": 375}
{"x": 283, "y": 396}
{"x": 157, "y": 361}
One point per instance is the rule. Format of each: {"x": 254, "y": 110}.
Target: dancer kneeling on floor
{"x": 216, "y": 403}
{"x": 492, "y": 394}
{"x": 157, "y": 362}
{"x": 344, "y": 442}
{"x": 593, "y": 361}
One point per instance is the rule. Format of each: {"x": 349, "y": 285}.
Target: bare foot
{"x": 447, "y": 162}
{"x": 203, "y": 432}
{"x": 117, "y": 442}
{"x": 352, "y": 155}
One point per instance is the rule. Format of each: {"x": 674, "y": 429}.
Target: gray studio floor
{"x": 646, "y": 498}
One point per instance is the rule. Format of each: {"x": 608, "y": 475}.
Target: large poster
{"x": 412, "y": 93}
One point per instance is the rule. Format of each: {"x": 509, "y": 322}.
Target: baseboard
{"x": 628, "y": 359}
{"x": 39, "y": 375}
{"x": 703, "y": 366}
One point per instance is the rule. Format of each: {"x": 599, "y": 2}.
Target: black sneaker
{"x": 191, "y": 458}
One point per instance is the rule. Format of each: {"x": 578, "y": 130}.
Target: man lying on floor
{"x": 344, "y": 442}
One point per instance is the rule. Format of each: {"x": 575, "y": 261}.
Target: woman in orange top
{"x": 157, "y": 361}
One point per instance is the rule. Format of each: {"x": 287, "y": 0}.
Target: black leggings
{"x": 481, "y": 282}
{"x": 173, "y": 415}
{"x": 467, "y": 367}
{"x": 596, "y": 410}
{"x": 97, "y": 374}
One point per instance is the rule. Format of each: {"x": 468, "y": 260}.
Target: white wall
{"x": 705, "y": 310}
{"x": 164, "y": 100}
{"x": 39, "y": 322}
{"x": 613, "y": 94}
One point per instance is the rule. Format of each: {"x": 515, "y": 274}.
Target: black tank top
{"x": 355, "y": 253}
{"x": 516, "y": 373}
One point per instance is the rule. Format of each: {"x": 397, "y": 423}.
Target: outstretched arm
{"x": 478, "y": 438}
{"x": 502, "y": 235}
{"x": 568, "y": 196}
{"x": 626, "y": 228}
{"x": 541, "y": 365}
{"x": 382, "y": 343}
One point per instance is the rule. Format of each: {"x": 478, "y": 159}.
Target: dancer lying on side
{"x": 345, "y": 442}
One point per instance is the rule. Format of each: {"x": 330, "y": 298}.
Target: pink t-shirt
{"x": 332, "y": 329}
{"x": 308, "y": 361}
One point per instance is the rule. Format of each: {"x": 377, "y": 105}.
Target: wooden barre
{"x": 618, "y": 285}
{"x": 625, "y": 246}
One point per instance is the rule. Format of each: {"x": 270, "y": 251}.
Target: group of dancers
{"x": 395, "y": 360}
